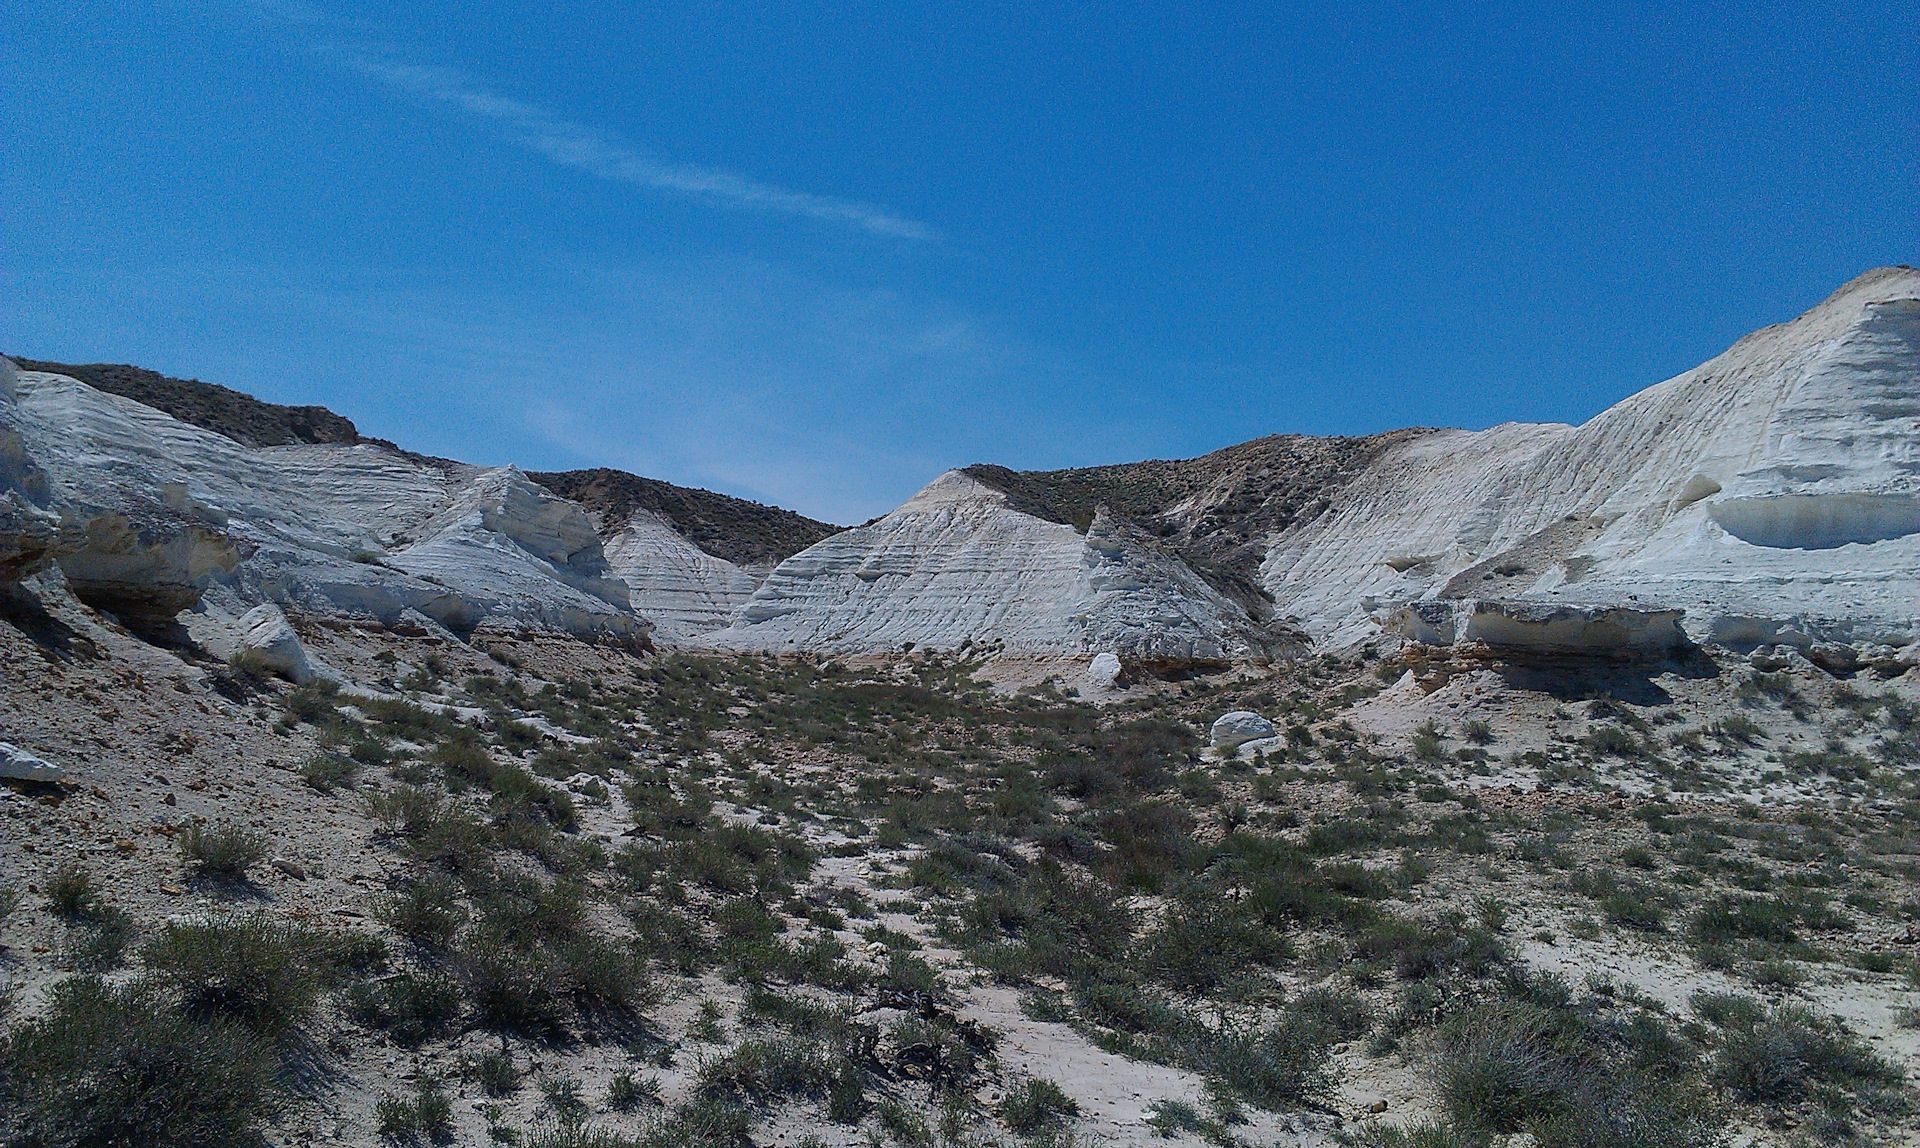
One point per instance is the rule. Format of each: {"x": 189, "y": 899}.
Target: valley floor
{"x": 529, "y": 890}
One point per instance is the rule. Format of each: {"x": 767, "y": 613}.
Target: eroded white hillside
{"x": 151, "y": 502}
{"x": 680, "y": 588}
{"x": 1772, "y": 493}
{"x": 956, "y": 565}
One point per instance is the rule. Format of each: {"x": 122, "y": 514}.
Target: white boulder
{"x": 266, "y": 633}
{"x": 1232, "y": 729}
{"x": 20, "y": 765}
{"x": 1102, "y": 671}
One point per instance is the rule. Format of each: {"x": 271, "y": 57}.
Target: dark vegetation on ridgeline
{"x": 239, "y": 416}
{"x": 1216, "y": 511}
{"x": 735, "y": 529}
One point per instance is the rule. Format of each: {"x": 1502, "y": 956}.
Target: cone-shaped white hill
{"x": 359, "y": 530}
{"x": 956, "y": 564}
{"x": 1771, "y": 492}
{"x": 680, "y": 588}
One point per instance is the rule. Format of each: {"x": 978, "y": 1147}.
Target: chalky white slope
{"x": 680, "y": 588}
{"x": 359, "y": 530}
{"x": 955, "y": 564}
{"x": 1772, "y": 492}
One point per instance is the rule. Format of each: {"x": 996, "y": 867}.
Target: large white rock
{"x": 265, "y": 632}
{"x": 956, "y": 565}
{"x": 1231, "y": 730}
{"x": 1774, "y": 488}
{"x": 20, "y": 765}
{"x": 1102, "y": 671}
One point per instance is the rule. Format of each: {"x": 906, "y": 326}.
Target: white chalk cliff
{"x": 956, "y": 565}
{"x": 1769, "y": 497}
{"x": 680, "y": 588}
{"x": 156, "y": 510}
{"x": 1772, "y": 493}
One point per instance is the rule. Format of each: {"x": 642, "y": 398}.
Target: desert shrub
{"x": 560, "y": 1095}
{"x": 494, "y": 1073}
{"x": 110, "y": 1065}
{"x": 428, "y": 1113}
{"x": 604, "y": 973}
{"x": 625, "y": 1093}
{"x": 426, "y": 912}
{"x": 510, "y": 983}
{"x": 1206, "y": 941}
{"x": 1342, "y": 1015}
{"x": 1427, "y": 744}
{"x": 1034, "y": 1105}
{"x": 1625, "y": 1109}
{"x": 1612, "y": 741}
{"x": 1478, "y": 732}
{"x": 250, "y": 969}
{"x": 71, "y": 891}
{"x": 1423, "y": 1135}
{"x": 1786, "y": 1054}
{"x": 1419, "y": 949}
{"x": 327, "y": 771}
{"x": 399, "y": 718}
{"x": 769, "y": 1069}
{"x": 412, "y": 1007}
{"x": 1730, "y": 918}
{"x": 310, "y": 703}
{"x": 1150, "y": 840}
{"x": 1499, "y": 1070}
{"x": 222, "y": 850}
{"x": 98, "y": 931}
{"x": 1280, "y": 1066}
{"x": 99, "y": 938}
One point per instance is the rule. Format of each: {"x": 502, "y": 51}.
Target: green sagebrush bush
{"x": 120, "y": 1065}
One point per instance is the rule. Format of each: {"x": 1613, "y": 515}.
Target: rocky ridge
{"x": 1768, "y": 498}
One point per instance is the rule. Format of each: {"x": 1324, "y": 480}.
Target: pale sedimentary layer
{"x": 1540, "y": 627}
{"x": 957, "y": 566}
{"x": 680, "y": 588}
{"x": 153, "y": 510}
{"x": 1772, "y": 493}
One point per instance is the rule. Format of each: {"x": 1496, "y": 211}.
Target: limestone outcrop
{"x": 154, "y": 510}
{"x": 957, "y": 566}
{"x": 1546, "y": 628}
{"x": 19, "y": 765}
{"x": 1772, "y": 490}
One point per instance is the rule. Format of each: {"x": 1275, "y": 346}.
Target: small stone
{"x": 171, "y": 890}
{"x": 168, "y": 799}
{"x": 1377, "y": 1106}
{"x": 125, "y": 847}
{"x": 292, "y": 869}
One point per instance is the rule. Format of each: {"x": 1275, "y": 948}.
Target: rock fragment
{"x": 18, "y": 764}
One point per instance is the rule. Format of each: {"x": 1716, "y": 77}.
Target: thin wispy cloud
{"x": 594, "y": 150}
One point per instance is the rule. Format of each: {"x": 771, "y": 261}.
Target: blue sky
{"x": 814, "y": 255}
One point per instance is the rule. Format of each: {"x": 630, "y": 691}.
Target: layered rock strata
{"x": 1772, "y": 494}
{"x": 958, "y": 566}
{"x": 152, "y": 511}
